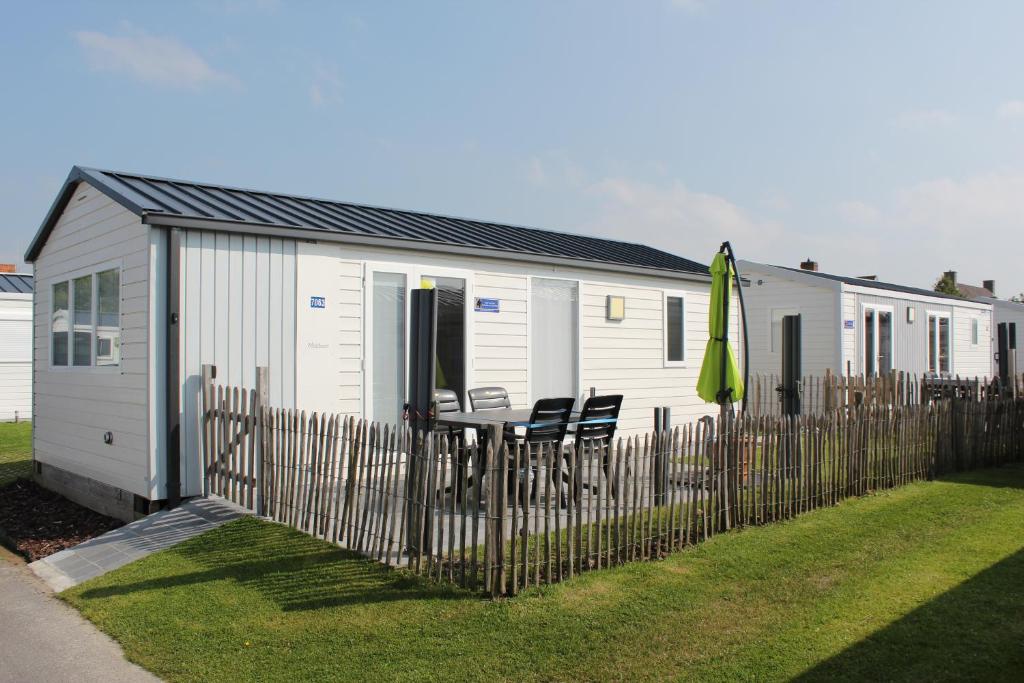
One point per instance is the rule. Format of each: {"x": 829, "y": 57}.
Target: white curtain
{"x": 553, "y": 338}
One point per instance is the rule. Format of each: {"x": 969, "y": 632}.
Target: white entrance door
{"x": 554, "y": 342}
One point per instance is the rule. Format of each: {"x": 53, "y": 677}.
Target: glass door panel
{"x": 884, "y": 342}
{"x": 553, "y": 343}
{"x": 451, "y": 333}
{"x": 388, "y": 353}
{"x": 870, "y": 353}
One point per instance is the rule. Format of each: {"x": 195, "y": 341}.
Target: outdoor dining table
{"x": 513, "y": 417}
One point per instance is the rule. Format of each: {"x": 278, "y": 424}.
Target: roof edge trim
{"x": 298, "y": 233}
{"x": 77, "y": 175}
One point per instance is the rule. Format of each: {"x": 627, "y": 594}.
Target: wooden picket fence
{"x": 505, "y": 520}
{"x": 825, "y": 393}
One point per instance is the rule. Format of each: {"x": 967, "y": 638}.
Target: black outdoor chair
{"x": 447, "y": 401}
{"x": 549, "y": 421}
{"x": 602, "y": 414}
{"x": 491, "y": 398}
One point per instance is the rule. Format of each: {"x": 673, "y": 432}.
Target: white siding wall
{"x": 910, "y": 340}
{"x": 501, "y": 339}
{"x": 850, "y": 335}
{"x": 15, "y": 357}
{"x": 73, "y": 407}
{"x": 819, "y": 322}
{"x": 627, "y": 357}
{"x": 238, "y": 312}
{"x": 1008, "y": 312}
{"x": 970, "y": 359}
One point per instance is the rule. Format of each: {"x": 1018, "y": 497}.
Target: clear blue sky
{"x": 875, "y": 137}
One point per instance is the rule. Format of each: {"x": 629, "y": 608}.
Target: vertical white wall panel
{"x": 238, "y": 311}
{"x": 73, "y": 407}
{"x": 15, "y": 357}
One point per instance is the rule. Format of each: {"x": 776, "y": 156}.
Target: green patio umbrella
{"x": 720, "y": 380}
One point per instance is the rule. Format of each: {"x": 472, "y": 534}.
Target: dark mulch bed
{"x": 36, "y": 522}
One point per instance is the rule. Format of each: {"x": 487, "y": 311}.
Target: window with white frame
{"x": 85, "y": 322}
{"x": 675, "y": 328}
{"x": 975, "y": 323}
{"x": 938, "y": 343}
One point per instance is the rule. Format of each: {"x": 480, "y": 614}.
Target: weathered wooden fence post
{"x": 207, "y": 426}
{"x": 262, "y": 465}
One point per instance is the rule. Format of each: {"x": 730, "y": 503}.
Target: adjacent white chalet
{"x": 140, "y": 281}
{"x": 864, "y": 327}
{"x": 15, "y": 346}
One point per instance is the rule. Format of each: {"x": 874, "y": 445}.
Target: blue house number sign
{"x": 487, "y": 305}
{"x": 317, "y": 302}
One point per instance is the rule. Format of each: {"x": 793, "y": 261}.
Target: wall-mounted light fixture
{"x": 910, "y": 314}
{"x": 615, "y": 308}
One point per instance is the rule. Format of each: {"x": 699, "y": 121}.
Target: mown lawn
{"x": 15, "y": 451}
{"x": 922, "y": 583}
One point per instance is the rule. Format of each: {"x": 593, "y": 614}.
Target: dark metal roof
{"x": 15, "y": 283}
{"x": 189, "y": 204}
{"x": 876, "y": 284}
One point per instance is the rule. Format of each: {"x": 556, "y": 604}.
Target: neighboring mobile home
{"x": 859, "y": 325}
{"x": 156, "y": 272}
{"x": 15, "y": 345}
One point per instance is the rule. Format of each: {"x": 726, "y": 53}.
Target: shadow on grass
{"x": 293, "y": 570}
{"x": 972, "y": 632}
{"x": 1010, "y": 475}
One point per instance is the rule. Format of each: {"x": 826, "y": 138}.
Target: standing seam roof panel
{"x": 179, "y": 198}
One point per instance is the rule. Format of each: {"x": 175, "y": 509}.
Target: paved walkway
{"x": 133, "y": 541}
{"x": 42, "y": 639}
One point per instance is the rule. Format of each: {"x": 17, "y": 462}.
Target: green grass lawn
{"x": 15, "y": 451}
{"x": 921, "y": 583}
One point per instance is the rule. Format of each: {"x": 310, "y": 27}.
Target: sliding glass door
{"x": 388, "y": 337}
{"x": 386, "y": 334}
{"x": 554, "y": 344}
{"x": 878, "y": 341}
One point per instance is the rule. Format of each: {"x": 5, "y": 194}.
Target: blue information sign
{"x": 487, "y": 305}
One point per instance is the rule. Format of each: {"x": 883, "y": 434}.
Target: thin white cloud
{"x": 972, "y": 225}
{"x": 325, "y": 88}
{"x": 857, "y": 212}
{"x": 555, "y": 170}
{"x": 689, "y": 5}
{"x": 1014, "y": 109}
{"x": 678, "y": 219}
{"x": 156, "y": 60}
{"x": 921, "y": 119}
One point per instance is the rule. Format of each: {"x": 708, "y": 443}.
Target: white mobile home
{"x": 143, "y": 280}
{"x": 862, "y": 326}
{"x": 15, "y": 346}
{"x": 1009, "y": 312}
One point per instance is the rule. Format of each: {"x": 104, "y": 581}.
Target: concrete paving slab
{"x": 133, "y": 541}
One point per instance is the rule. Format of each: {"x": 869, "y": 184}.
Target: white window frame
{"x": 888, "y": 308}
{"x": 773, "y": 315}
{"x": 69, "y": 278}
{"x": 665, "y": 295}
{"x": 927, "y": 348}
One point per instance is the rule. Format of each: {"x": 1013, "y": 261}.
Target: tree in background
{"x": 947, "y": 285}
{"x": 1019, "y": 298}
